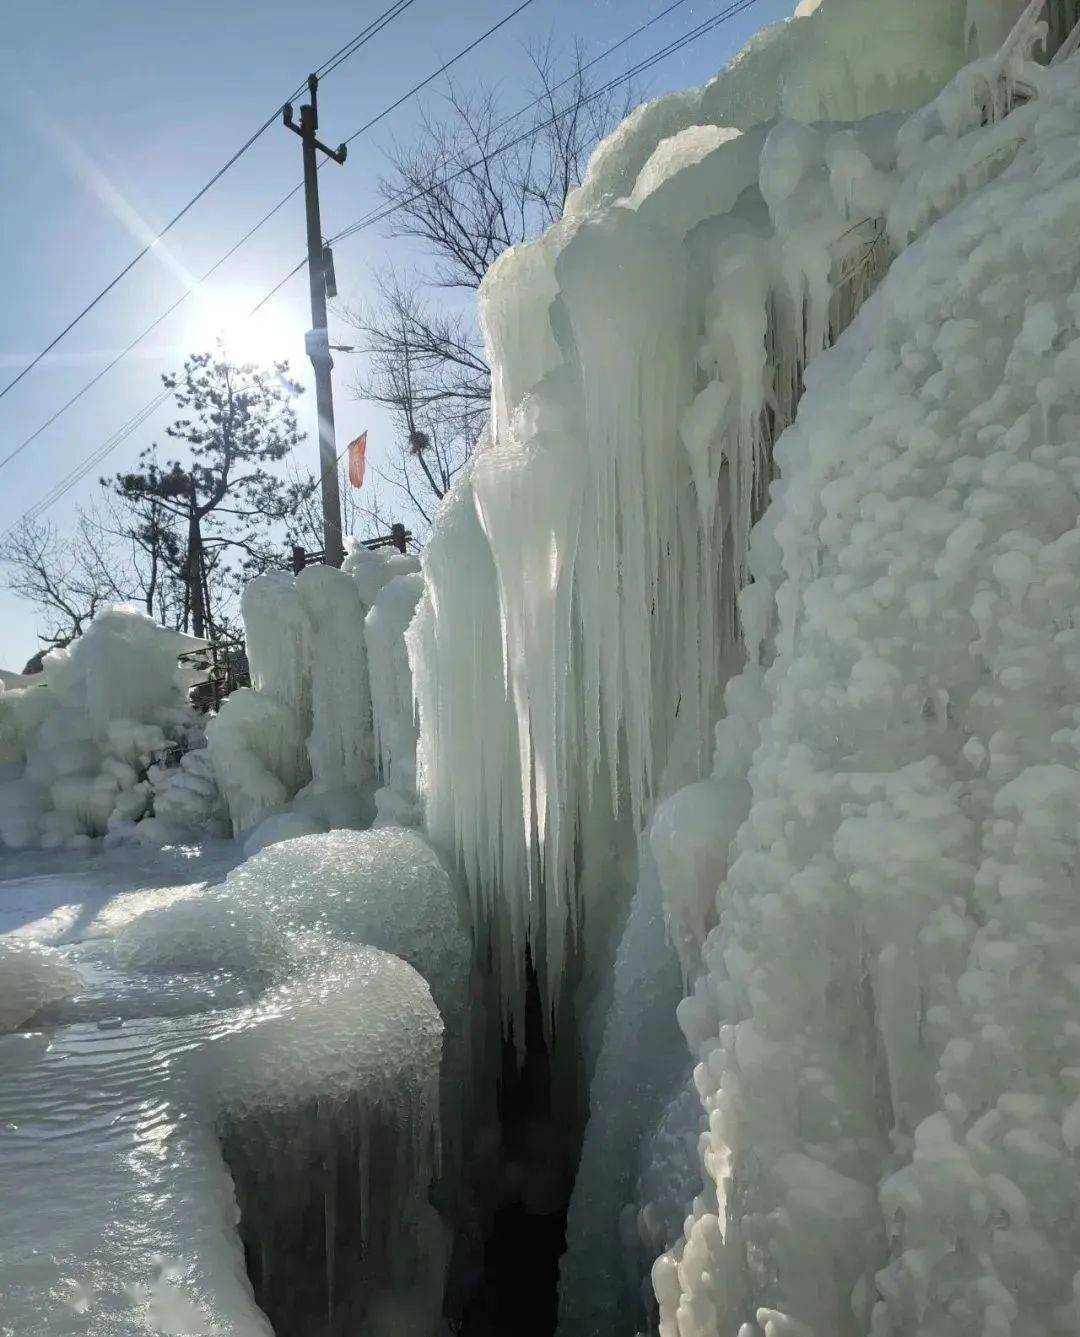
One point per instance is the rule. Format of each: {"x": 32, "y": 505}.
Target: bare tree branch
{"x": 474, "y": 182}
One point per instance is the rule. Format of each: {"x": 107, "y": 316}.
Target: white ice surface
{"x": 887, "y": 1060}
{"x": 89, "y": 745}
{"x": 119, "y": 1213}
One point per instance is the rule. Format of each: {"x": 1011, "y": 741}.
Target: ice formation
{"x": 385, "y": 888}
{"x": 305, "y": 727}
{"x": 648, "y": 353}
{"x": 647, "y": 350}
{"x": 641, "y": 1061}
{"x": 743, "y": 661}
{"x": 241, "y": 1046}
{"x": 890, "y": 1125}
{"x": 204, "y": 934}
{"x": 104, "y": 742}
{"x": 329, "y": 1098}
{"x": 392, "y": 696}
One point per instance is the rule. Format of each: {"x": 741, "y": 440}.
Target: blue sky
{"x": 117, "y": 111}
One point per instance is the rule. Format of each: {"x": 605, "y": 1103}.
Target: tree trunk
{"x": 195, "y": 580}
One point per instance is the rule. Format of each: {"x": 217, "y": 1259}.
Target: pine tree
{"x": 222, "y": 499}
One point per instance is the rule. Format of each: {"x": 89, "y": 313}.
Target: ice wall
{"x": 886, "y": 1059}
{"x": 646, "y": 351}
{"x": 104, "y": 742}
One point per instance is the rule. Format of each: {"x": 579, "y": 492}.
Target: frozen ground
{"x": 94, "y": 1236}
{"x": 165, "y": 1064}
{"x": 65, "y": 896}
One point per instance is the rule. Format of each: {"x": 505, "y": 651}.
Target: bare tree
{"x": 67, "y": 580}
{"x": 142, "y": 534}
{"x": 475, "y": 182}
{"x": 223, "y": 498}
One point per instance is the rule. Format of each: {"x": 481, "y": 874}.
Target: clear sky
{"x": 117, "y": 111}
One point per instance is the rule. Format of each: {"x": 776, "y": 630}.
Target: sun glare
{"x": 223, "y": 314}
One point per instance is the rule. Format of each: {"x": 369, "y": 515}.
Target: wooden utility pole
{"x": 196, "y": 576}
{"x": 318, "y": 340}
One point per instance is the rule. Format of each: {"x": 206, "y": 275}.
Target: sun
{"x": 222, "y": 314}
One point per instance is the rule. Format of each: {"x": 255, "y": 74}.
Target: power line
{"x": 87, "y": 465}
{"x": 376, "y": 26}
{"x": 416, "y": 88}
{"x": 255, "y": 228}
{"x": 80, "y": 472}
{"x": 89, "y": 385}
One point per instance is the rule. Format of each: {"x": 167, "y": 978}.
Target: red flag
{"x": 357, "y": 460}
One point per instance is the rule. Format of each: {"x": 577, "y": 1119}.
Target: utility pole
{"x": 318, "y": 340}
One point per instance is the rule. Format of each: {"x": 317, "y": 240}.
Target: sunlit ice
{"x": 221, "y": 314}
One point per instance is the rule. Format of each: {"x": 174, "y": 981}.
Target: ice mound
{"x": 204, "y": 934}
{"x": 32, "y": 976}
{"x": 356, "y": 1023}
{"x": 386, "y": 888}
{"x": 328, "y": 1100}
{"x": 280, "y": 826}
{"x": 102, "y": 738}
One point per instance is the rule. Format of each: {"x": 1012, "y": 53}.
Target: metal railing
{"x": 399, "y": 538}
